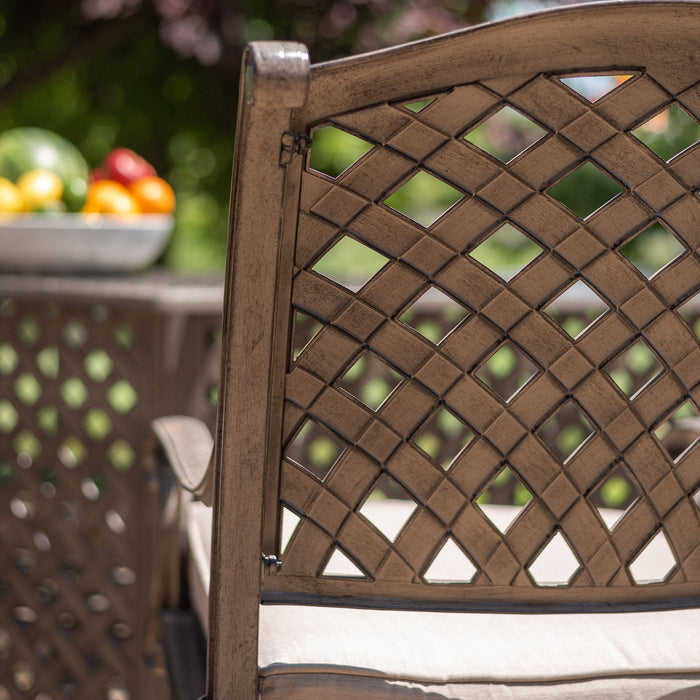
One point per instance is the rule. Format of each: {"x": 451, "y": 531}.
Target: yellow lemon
{"x": 11, "y": 199}
{"x": 41, "y": 189}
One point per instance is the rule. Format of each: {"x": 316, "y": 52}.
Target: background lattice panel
{"x": 78, "y": 385}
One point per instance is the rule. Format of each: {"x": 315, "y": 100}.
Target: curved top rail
{"x": 628, "y": 34}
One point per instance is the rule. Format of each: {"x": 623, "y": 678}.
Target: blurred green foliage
{"x": 119, "y": 85}
{"x": 161, "y": 77}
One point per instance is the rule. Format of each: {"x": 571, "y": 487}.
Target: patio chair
{"x": 352, "y": 554}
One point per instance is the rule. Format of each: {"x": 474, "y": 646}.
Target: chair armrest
{"x": 187, "y": 444}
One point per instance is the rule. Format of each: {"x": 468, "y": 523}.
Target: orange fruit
{"x": 109, "y": 197}
{"x": 154, "y": 195}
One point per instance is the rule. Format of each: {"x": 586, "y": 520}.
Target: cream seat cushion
{"x": 337, "y": 653}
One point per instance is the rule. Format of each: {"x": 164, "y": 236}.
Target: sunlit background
{"x": 161, "y": 77}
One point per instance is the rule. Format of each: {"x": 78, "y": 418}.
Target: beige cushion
{"x": 454, "y": 654}
{"x": 318, "y": 652}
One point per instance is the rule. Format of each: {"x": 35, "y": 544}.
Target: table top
{"x": 154, "y": 289}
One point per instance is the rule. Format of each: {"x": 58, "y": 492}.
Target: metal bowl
{"x": 82, "y": 242}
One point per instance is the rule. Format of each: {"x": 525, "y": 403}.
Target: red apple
{"x": 125, "y": 166}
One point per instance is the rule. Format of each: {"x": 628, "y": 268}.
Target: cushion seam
{"x": 571, "y": 678}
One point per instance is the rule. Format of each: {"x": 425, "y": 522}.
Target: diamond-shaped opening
{"x": 23, "y": 506}
{"x": 97, "y": 602}
{"x": 47, "y": 419}
{"x": 8, "y": 358}
{"x": 123, "y": 575}
{"x": 680, "y": 432}
{"x": 74, "y": 333}
{"x": 556, "y": 564}
{"x": 634, "y": 369}
{"x": 27, "y": 388}
{"x": 593, "y": 87}
{"x": 122, "y": 397}
{"x": 8, "y": 308}
{"x": 450, "y": 565}
{"x": 97, "y": 424}
{"x": 507, "y": 371}
{"x": 434, "y": 315}
{"x": 98, "y": 365}
{"x": 689, "y": 311}
{"x": 577, "y": 309}
{"x": 419, "y": 105}
{"x": 669, "y": 133}
{"x": 289, "y": 521}
{"x": 28, "y": 331}
{"x": 47, "y": 488}
{"x": 47, "y": 361}
{"x": 655, "y": 562}
{"x": 424, "y": 198}
{"x": 5, "y": 473}
{"x": 370, "y": 380}
{"x": 42, "y": 541}
{"x": 616, "y": 493}
{"x": 696, "y": 498}
{"x": 653, "y": 249}
{"x": 506, "y": 252}
{"x": 350, "y": 263}
{"x": 99, "y": 313}
{"x": 316, "y": 449}
{"x": 115, "y": 522}
{"x": 72, "y": 452}
{"x": 443, "y": 437}
{"x": 117, "y": 688}
{"x": 388, "y": 507}
{"x": 506, "y": 134}
{"x": 333, "y": 150}
{"x": 73, "y": 392}
{"x": 27, "y": 448}
{"x": 8, "y": 416}
{"x": 566, "y": 432}
{"x": 504, "y": 499}
{"x": 340, "y": 564}
{"x": 91, "y": 488}
{"x": 24, "y": 559}
{"x": 585, "y": 190}
{"x": 123, "y": 337}
{"x": 121, "y": 455}
{"x": 305, "y": 329}
{"x": 23, "y": 674}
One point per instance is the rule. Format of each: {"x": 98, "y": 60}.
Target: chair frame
{"x": 283, "y": 98}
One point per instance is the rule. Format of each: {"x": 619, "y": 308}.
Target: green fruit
{"x": 29, "y": 148}
{"x": 75, "y": 193}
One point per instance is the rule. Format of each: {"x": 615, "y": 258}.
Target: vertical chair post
{"x": 274, "y": 81}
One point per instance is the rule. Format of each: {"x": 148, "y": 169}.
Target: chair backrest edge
{"x": 274, "y": 81}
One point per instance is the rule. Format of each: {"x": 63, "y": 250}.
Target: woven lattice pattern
{"x": 569, "y": 377}
{"x": 79, "y": 513}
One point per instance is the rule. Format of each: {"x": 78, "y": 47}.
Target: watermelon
{"x": 29, "y": 148}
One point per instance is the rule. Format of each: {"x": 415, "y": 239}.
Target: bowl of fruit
{"x": 58, "y": 216}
